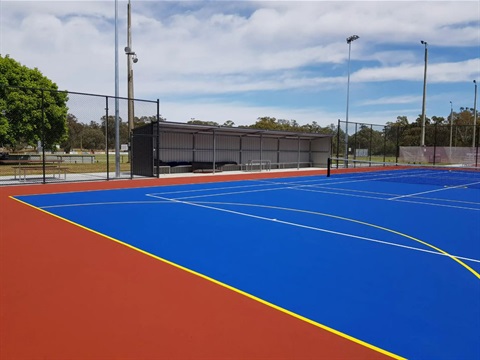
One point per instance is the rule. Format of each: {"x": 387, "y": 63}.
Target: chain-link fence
{"x": 49, "y": 135}
{"x": 444, "y": 144}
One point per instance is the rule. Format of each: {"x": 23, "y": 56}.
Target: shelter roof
{"x": 168, "y": 126}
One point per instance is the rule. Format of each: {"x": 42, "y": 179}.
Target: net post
{"x": 329, "y": 165}
{"x": 157, "y": 142}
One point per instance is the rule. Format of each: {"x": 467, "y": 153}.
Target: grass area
{"x": 379, "y": 158}
{"x": 98, "y": 166}
{"x": 375, "y": 158}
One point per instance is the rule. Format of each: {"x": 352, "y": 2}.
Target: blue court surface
{"x": 391, "y": 258}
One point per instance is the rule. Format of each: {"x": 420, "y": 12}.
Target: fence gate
{"x": 142, "y": 152}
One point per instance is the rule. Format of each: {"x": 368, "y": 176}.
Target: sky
{"x": 241, "y": 60}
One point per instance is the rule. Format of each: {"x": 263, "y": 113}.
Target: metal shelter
{"x": 161, "y": 147}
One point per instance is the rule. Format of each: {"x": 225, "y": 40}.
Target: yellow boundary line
{"x": 411, "y": 238}
{"x": 238, "y": 291}
{"x": 361, "y": 223}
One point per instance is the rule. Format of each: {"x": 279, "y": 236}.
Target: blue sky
{"x": 240, "y": 60}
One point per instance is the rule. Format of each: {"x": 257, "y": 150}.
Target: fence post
{"x": 130, "y": 152}
{"x": 157, "y": 148}
{"x": 338, "y": 141}
{"x": 476, "y": 152}
{"x": 370, "y": 144}
{"x": 397, "y": 147}
{"x": 338, "y": 138}
{"x": 298, "y": 154}
{"x": 384, "y": 143}
{"x": 355, "y": 142}
{"x": 43, "y": 139}
{"x": 214, "y": 151}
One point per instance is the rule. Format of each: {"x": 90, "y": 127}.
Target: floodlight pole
{"x": 117, "y": 120}
{"x": 422, "y": 140}
{"x": 474, "y": 113}
{"x": 451, "y": 128}
{"x": 350, "y": 39}
{"x": 131, "y": 57}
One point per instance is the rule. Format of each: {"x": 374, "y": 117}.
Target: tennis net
{"x": 437, "y": 175}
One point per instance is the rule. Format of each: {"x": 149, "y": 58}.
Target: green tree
{"x": 193, "y": 121}
{"x": 312, "y": 128}
{"x": 393, "y": 134}
{"x": 123, "y": 127}
{"x": 93, "y": 138}
{"x": 143, "y": 120}
{"x": 463, "y": 127}
{"x": 288, "y": 125}
{"x": 31, "y": 107}
{"x": 75, "y": 132}
{"x": 3, "y": 126}
{"x": 266, "y": 123}
{"x": 368, "y": 138}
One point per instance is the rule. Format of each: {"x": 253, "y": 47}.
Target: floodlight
{"x": 352, "y": 38}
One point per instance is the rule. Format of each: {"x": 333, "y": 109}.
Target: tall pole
{"x": 129, "y": 75}
{"x": 350, "y": 39}
{"x": 117, "y": 121}
{"x": 422, "y": 142}
{"x": 451, "y": 129}
{"x": 130, "y": 70}
{"x": 474, "y": 113}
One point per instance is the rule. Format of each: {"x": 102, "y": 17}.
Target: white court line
{"x": 213, "y": 188}
{"x": 303, "y": 188}
{"x": 439, "y": 205}
{"x": 355, "y": 179}
{"x": 435, "y": 190}
{"x": 232, "y": 193}
{"x": 321, "y": 187}
{"x": 350, "y": 179}
{"x": 369, "y": 177}
{"x": 399, "y": 200}
{"x": 136, "y": 202}
{"x": 394, "y": 198}
{"x": 202, "y": 205}
{"x": 284, "y": 188}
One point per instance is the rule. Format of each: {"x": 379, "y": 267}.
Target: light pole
{"x": 451, "y": 129}
{"x": 422, "y": 143}
{"x": 474, "y": 113}
{"x": 131, "y": 57}
{"x": 350, "y": 39}
{"x": 117, "y": 120}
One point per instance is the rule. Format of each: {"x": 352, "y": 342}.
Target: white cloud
{"x": 443, "y": 72}
{"x": 202, "y": 48}
{"x": 240, "y": 114}
{"x": 387, "y": 100}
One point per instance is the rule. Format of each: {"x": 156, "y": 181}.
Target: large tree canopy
{"x": 31, "y": 107}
